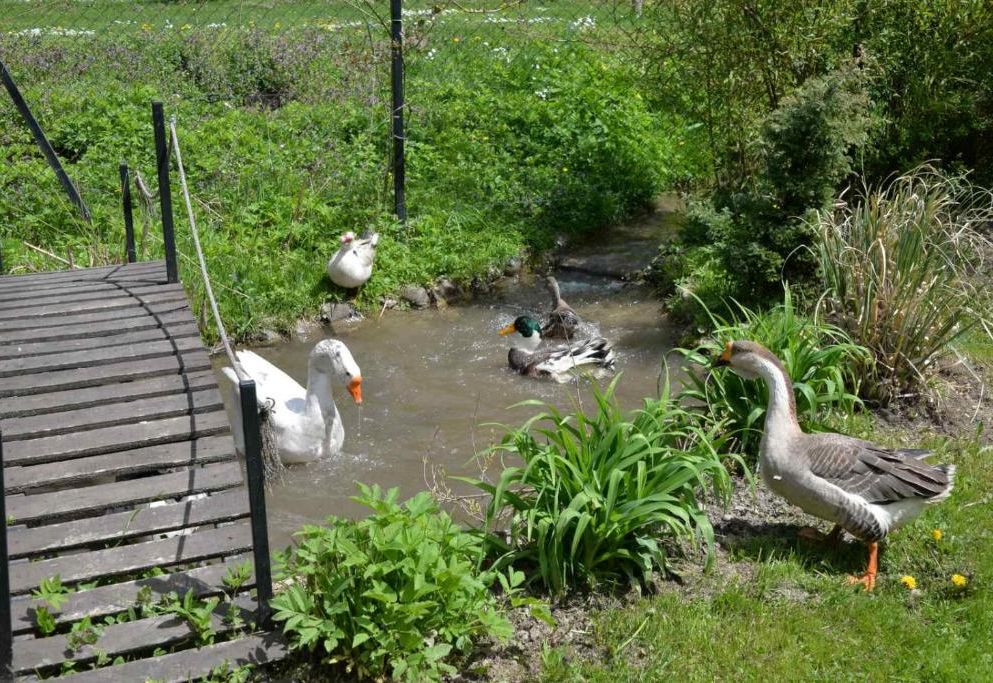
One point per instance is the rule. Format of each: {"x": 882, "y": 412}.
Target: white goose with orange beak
{"x": 306, "y": 422}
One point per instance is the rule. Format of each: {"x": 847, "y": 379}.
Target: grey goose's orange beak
{"x": 724, "y": 359}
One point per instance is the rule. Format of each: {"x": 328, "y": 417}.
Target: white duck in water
{"x": 351, "y": 266}
{"x": 306, "y": 422}
{"x": 863, "y": 488}
{"x": 557, "y": 363}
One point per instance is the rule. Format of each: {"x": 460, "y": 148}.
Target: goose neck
{"x": 780, "y": 417}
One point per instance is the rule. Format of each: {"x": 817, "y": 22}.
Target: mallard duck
{"x": 865, "y": 489}
{"x": 306, "y": 422}
{"x": 557, "y": 363}
{"x": 351, "y": 266}
{"x": 562, "y": 321}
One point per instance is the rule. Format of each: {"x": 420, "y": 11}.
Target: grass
{"x": 794, "y": 619}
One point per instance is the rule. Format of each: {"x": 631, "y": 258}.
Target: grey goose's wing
{"x": 879, "y": 475}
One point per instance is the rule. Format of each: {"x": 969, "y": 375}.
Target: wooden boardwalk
{"x": 120, "y": 476}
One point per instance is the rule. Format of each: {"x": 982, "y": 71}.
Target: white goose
{"x": 306, "y": 422}
{"x": 351, "y": 266}
{"x": 865, "y": 489}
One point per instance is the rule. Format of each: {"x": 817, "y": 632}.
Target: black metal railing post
{"x": 165, "y": 196}
{"x": 256, "y": 499}
{"x": 6, "y": 626}
{"x": 42, "y": 141}
{"x": 128, "y": 215}
{"x": 396, "y": 75}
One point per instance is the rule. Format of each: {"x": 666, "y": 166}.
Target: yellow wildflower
{"x": 146, "y": 27}
{"x": 456, "y": 39}
{"x": 909, "y": 581}
{"x": 936, "y": 534}
{"x": 959, "y": 581}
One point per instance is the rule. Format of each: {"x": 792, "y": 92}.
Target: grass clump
{"x": 393, "y": 595}
{"x": 594, "y": 494}
{"x": 899, "y": 263}
{"x": 820, "y": 358}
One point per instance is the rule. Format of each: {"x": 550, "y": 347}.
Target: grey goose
{"x": 562, "y": 322}
{"x": 865, "y": 489}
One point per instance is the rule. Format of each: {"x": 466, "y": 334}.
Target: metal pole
{"x": 42, "y": 141}
{"x": 256, "y": 499}
{"x": 6, "y": 626}
{"x": 128, "y": 216}
{"x": 396, "y": 73}
{"x": 165, "y": 196}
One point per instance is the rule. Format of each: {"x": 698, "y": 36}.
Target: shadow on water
{"x": 434, "y": 381}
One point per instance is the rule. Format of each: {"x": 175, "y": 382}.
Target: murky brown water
{"x": 432, "y": 380}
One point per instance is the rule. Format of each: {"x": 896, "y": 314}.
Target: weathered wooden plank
{"x": 82, "y": 502}
{"x": 123, "y": 463}
{"x": 77, "y": 378}
{"x": 114, "y": 598}
{"x": 133, "y": 310}
{"x": 72, "y": 302}
{"x": 98, "y": 356}
{"x": 160, "y": 407}
{"x": 98, "y": 329}
{"x": 39, "y": 313}
{"x": 143, "y": 635}
{"x": 202, "y": 545}
{"x": 57, "y": 401}
{"x": 118, "y": 338}
{"x": 100, "y": 273}
{"x": 117, "y": 438}
{"x": 191, "y": 665}
{"x": 220, "y": 507}
{"x": 78, "y": 291}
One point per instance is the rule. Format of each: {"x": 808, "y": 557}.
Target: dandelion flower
{"x": 456, "y": 39}
{"x": 937, "y": 534}
{"x": 959, "y": 581}
{"x": 909, "y": 581}
{"x": 146, "y": 26}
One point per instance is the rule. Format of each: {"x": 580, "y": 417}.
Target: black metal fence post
{"x": 42, "y": 142}
{"x": 128, "y": 215}
{"x": 165, "y": 195}
{"x": 256, "y": 499}
{"x": 6, "y": 627}
{"x": 396, "y": 74}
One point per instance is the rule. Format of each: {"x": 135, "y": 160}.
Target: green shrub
{"x": 899, "y": 263}
{"x": 756, "y": 236}
{"x": 392, "y": 595}
{"x": 593, "y": 494}
{"x": 820, "y": 358}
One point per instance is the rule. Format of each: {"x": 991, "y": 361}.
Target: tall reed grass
{"x": 901, "y": 266}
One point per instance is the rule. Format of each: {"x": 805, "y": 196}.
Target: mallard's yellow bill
{"x": 509, "y": 329}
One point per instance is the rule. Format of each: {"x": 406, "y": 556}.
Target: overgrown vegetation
{"x": 286, "y": 141}
{"x": 824, "y": 364}
{"x": 901, "y": 264}
{"x": 593, "y": 495}
{"x": 393, "y": 595}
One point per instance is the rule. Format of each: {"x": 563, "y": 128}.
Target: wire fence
{"x": 268, "y": 54}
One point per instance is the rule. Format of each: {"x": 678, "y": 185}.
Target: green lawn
{"x": 794, "y": 618}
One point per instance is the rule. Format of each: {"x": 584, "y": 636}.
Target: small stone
{"x": 444, "y": 291}
{"x": 332, "y": 311}
{"x": 305, "y": 328}
{"x": 513, "y": 267}
{"x": 267, "y": 337}
{"x": 417, "y": 297}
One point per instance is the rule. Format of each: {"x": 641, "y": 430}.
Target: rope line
{"x": 242, "y": 375}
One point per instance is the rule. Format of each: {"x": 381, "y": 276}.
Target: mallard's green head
{"x": 524, "y": 325}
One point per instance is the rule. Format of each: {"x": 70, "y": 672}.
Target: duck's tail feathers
{"x": 949, "y": 471}
{"x": 597, "y": 351}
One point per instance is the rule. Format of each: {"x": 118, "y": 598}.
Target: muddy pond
{"x": 434, "y": 381}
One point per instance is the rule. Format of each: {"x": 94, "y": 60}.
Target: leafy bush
{"x": 391, "y": 595}
{"x": 899, "y": 263}
{"x": 820, "y": 358}
{"x": 594, "y": 493}
{"x": 755, "y": 237}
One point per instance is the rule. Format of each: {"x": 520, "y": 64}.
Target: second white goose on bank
{"x": 865, "y": 489}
